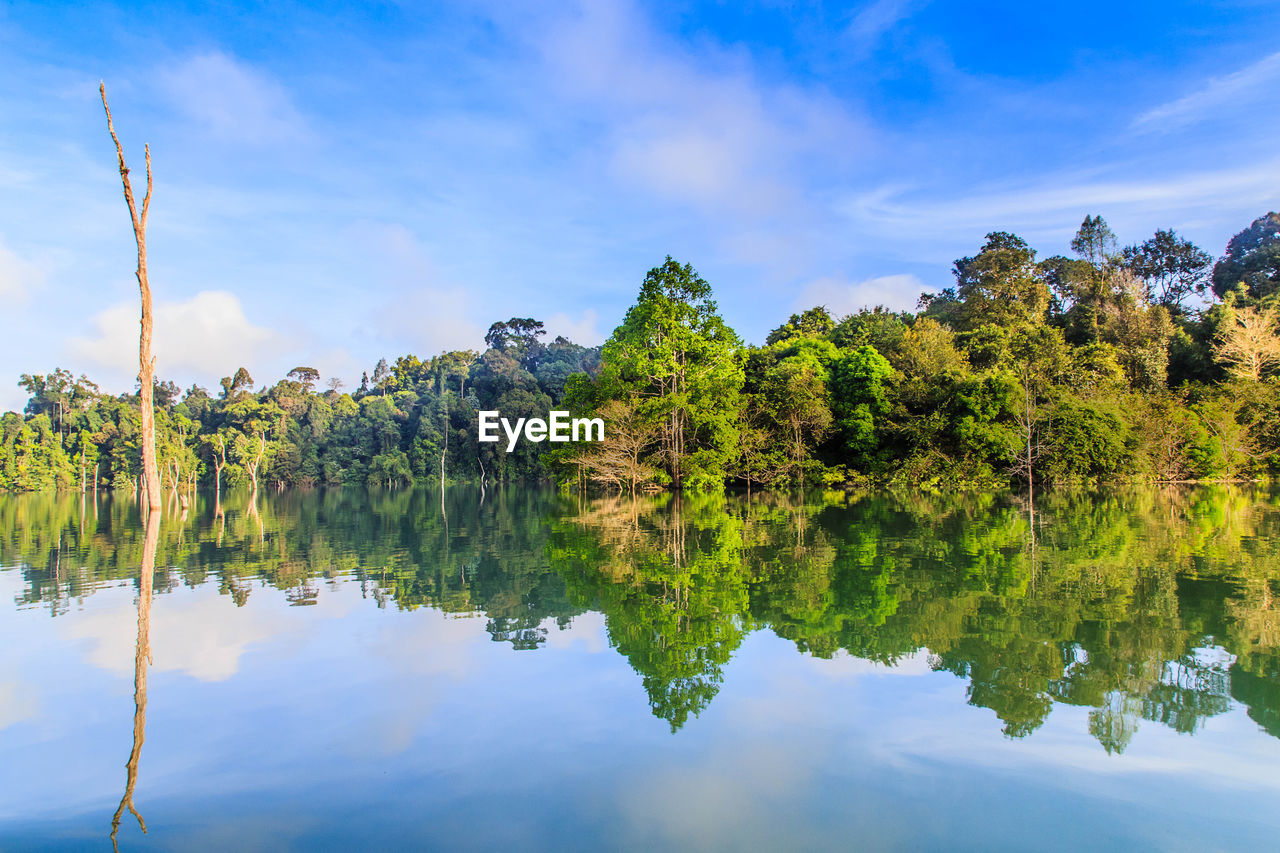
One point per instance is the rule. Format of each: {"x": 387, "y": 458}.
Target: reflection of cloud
{"x": 587, "y": 630}
{"x": 17, "y": 703}
{"x": 437, "y": 651}
{"x": 199, "y": 634}
{"x": 208, "y": 334}
{"x": 730, "y": 799}
{"x": 843, "y": 665}
{"x": 1059, "y": 747}
{"x": 895, "y": 292}
{"x": 231, "y": 100}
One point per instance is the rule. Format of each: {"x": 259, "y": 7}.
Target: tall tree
{"x": 1094, "y": 242}
{"x": 305, "y": 376}
{"x": 1171, "y": 267}
{"x": 1095, "y": 245}
{"x": 146, "y": 363}
{"x": 675, "y": 352}
{"x": 1252, "y": 259}
{"x": 1001, "y": 285}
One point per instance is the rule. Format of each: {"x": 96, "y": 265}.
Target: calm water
{"x": 524, "y": 670}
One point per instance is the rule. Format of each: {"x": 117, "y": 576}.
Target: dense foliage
{"x": 1147, "y": 362}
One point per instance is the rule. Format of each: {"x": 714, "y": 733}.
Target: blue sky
{"x": 336, "y": 184}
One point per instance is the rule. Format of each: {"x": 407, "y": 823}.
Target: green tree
{"x": 676, "y": 354}
{"x": 1172, "y": 269}
{"x": 1252, "y": 259}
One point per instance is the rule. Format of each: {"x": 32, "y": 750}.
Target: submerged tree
{"x": 146, "y": 363}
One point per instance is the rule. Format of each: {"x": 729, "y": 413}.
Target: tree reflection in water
{"x": 1141, "y": 606}
{"x": 142, "y": 658}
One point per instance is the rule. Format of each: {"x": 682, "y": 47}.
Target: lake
{"x": 522, "y": 669}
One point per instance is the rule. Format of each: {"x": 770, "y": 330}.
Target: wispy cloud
{"x": 1254, "y": 80}
{"x": 707, "y": 132}
{"x": 877, "y": 18}
{"x": 232, "y": 101}
{"x": 1059, "y": 201}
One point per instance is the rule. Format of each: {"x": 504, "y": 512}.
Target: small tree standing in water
{"x": 146, "y": 363}
{"x": 1029, "y": 429}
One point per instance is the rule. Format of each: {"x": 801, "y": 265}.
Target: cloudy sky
{"x": 334, "y": 185}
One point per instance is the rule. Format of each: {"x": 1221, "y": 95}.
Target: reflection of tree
{"x": 1140, "y": 606}
{"x": 142, "y": 657}
{"x": 667, "y": 573}
{"x": 1259, "y": 692}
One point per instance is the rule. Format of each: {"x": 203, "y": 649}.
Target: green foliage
{"x": 1252, "y": 259}
{"x": 675, "y": 354}
{"x": 1088, "y": 441}
{"x": 859, "y": 401}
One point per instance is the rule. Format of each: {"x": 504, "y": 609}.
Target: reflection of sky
{"x": 342, "y": 724}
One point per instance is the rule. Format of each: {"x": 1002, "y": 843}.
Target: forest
{"x": 1149, "y": 362}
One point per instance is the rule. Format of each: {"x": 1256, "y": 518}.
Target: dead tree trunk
{"x": 146, "y": 363}
{"x": 219, "y": 462}
{"x": 142, "y": 657}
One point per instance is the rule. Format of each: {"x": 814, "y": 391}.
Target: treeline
{"x": 409, "y": 421}
{"x": 1148, "y": 362}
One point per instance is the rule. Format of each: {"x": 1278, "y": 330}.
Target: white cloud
{"x": 232, "y": 101}
{"x": 18, "y": 277}
{"x": 337, "y": 362}
{"x": 708, "y": 132}
{"x": 584, "y": 331}
{"x": 208, "y": 335}
{"x": 1257, "y": 79}
{"x": 895, "y": 292}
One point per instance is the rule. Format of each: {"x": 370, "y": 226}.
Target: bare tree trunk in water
{"x": 142, "y": 657}
{"x": 146, "y": 363}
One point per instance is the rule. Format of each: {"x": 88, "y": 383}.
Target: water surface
{"x": 343, "y": 669}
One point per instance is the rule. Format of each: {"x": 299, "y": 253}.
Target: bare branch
{"x": 146, "y": 199}
{"x": 124, "y": 170}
